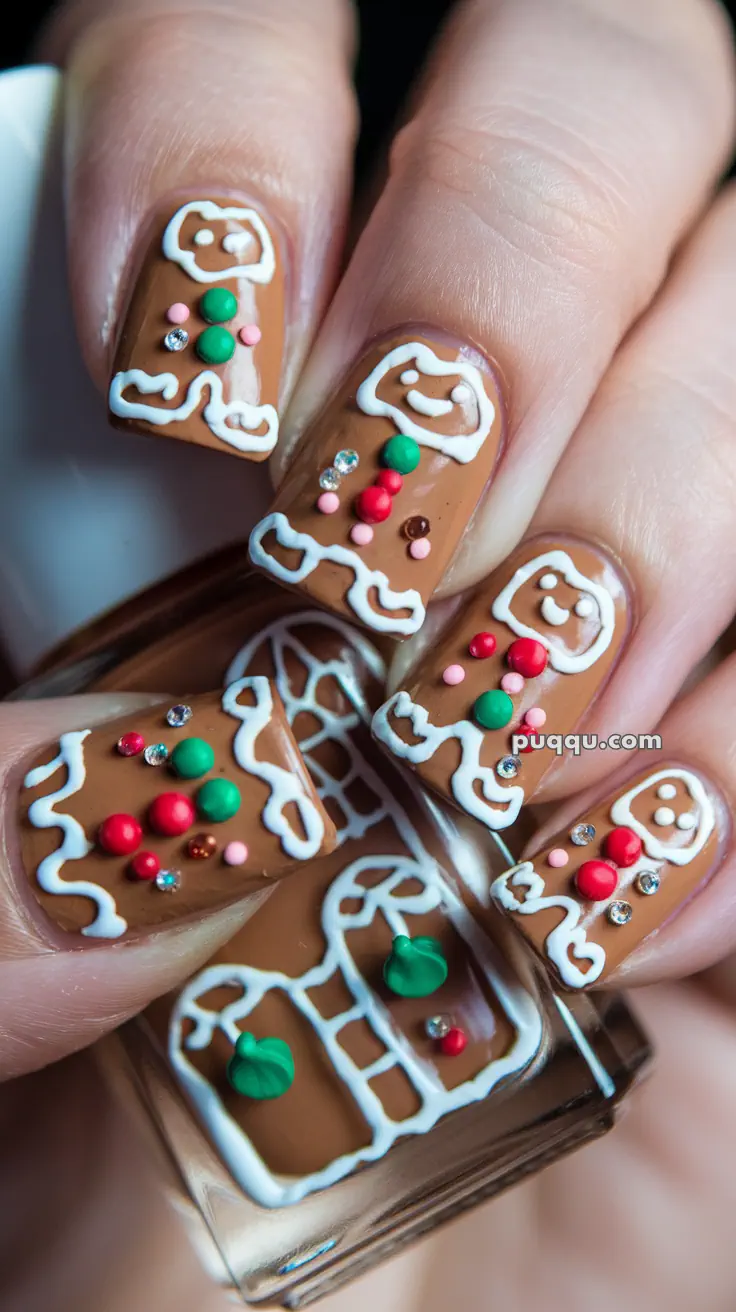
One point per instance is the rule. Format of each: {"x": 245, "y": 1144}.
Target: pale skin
{"x": 551, "y": 199}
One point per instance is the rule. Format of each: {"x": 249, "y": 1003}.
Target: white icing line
{"x": 75, "y": 844}
{"x": 465, "y": 446}
{"x": 429, "y": 406}
{"x": 215, "y": 413}
{"x": 562, "y": 660}
{"x": 261, "y": 271}
{"x": 469, "y": 771}
{"x": 285, "y": 787}
{"x": 654, "y": 845}
{"x": 567, "y": 937}
{"x": 357, "y": 596}
{"x": 606, "y": 1085}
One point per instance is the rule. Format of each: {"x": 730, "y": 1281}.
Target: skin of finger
{"x": 530, "y": 212}
{"x": 55, "y": 999}
{"x": 253, "y": 99}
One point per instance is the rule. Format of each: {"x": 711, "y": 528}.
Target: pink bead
{"x": 235, "y": 854}
{"x": 512, "y": 682}
{"x": 420, "y": 549}
{"x": 178, "y": 312}
{"x": 328, "y": 503}
{"x": 361, "y": 534}
{"x": 557, "y": 857}
{"x": 453, "y": 674}
{"x": 250, "y": 334}
{"x": 536, "y": 717}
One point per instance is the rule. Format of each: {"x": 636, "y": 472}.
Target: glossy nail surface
{"x": 199, "y": 355}
{"x": 384, "y": 485}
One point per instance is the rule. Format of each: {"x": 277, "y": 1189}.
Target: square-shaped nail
{"x": 385, "y": 483}
{"x": 174, "y": 811}
{"x": 525, "y": 657}
{"x": 199, "y": 354}
{"x": 616, "y": 874}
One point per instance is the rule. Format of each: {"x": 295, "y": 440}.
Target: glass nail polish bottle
{"x": 405, "y": 1059}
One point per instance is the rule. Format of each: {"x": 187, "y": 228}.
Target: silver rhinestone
{"x": 346, "y": 462}
{"x": 647, "y": 882}
{"x": 329, "y": 480}
{"x": 156, "y": 754}
{"x": 168, "y": 880}
{"x": 176, "y": 340}
{"x": 436, "y": 1027}
{"x": 508, "y": 767}
{"x": 176, "y": 716}
{"x": 620, "y": 913}
{"x": 581, "y": 835}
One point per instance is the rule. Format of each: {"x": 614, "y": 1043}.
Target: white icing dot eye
{"x": 666, "y": 792}
{"x": 664, "y": 815}
{"x": 686, "y": 821}
{"x": 408, "y": 377}
{"x": 548, "y": 581}
{"x": 584, "y": 607}
{"x": 460, "y": 393}
{"x": 235, "y": 242}
{"x": 204, "y": 237}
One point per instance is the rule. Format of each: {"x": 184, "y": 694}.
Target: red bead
{"x": 596, "y": 880}
{"x": 454, "y": 1042}
{"x": 373, "y": 505}
{"x": 171, "y": 813}
{"x": 524, "y": 728}
{"x": 527, "y": 656}
{"x": 482, "y": 645}
{"x": 145, "y": 865}
{"x": 390, "y": 480}
{"x": 131, "y": 744}
{"x": 622, "y": 846}
{"x": 119, "y": 834}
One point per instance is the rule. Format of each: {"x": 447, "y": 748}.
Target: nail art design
{"x": 381, "y": 493}
{"x": 627, "y": 866}
{"x": 206, "y": 802}
{"x": 531, "y": 650}
{"x": 199, "y": 356}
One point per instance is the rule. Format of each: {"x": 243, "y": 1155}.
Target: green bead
{"x": 493, "y": 709}
{"x": 215, "y": 345}
{"x": 401, "y": 453}
{"x": 192, "y": 757}
{"x": 218, "y": 305}
{"x": 261, "y": 1068}
{"x": 218, "y": 800}
{"x": 416, "y": 967}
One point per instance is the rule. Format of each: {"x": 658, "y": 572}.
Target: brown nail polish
{"x": 382, "y": 491}
{"x": 176, "y": 810}
{"x": 199, "y": 355}
{"x": 538, "y": 639}
{"x": 619, "y": 872}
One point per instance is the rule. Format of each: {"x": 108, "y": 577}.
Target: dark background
{"x": 383, "y": 72}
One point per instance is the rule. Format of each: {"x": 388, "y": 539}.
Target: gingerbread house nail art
{"x": 199, "y": 355}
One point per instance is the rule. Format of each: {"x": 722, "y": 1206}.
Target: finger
{"x": 128, "y": 839}
{"x": 533, "y": 204}
{"x": 209, "y": 170}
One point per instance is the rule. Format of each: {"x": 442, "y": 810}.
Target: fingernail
{"x": 144, "y": 821}
{"x": 199, "y": 355}
{"x": 617, "y": 874}
{"x": 381, "y": 493}
{"x": 525, "y": 658}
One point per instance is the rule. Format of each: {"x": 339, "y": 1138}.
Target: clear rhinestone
{"x": 436, "y": 1027}
{"x": 176, "y": 340}
{"x": 168, "y": 880}
{"x": 176, "y": 716}
{"x": 647, "y": 882}
{"x": 329, "y": 479}
{"x": 581, "y": 835}
{"x": 346, "y": 462}
{"x": 156, "y": 754}
{"x": 508, "y": 767}
{"x": 620, "y": 913}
